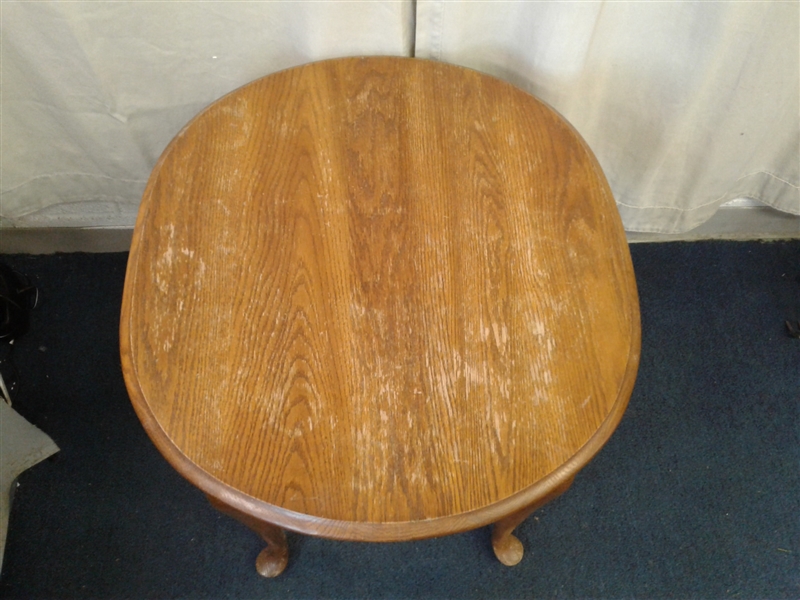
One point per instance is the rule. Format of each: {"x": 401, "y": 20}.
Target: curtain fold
{"x": 687, "y": 105}
{"x": 93, "y": 91}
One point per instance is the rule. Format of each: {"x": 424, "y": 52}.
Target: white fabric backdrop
{"x": 686, "y": 104}
{"x": 92, "y": 92}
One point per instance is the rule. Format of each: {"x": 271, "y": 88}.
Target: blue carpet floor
{"x": 696, "y": 495}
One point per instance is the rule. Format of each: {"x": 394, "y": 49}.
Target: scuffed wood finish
{"x": 379, "y": 299}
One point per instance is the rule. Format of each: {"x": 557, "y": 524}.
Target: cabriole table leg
{"x": 507, "y": 548}
{"x": 273, "y": 559}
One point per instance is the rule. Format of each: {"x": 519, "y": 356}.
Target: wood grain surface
{"x": 379, "y": 299}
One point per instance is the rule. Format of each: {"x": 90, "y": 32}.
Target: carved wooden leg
{"x": 273, "y": 559}
{"x": 507, "y": 548}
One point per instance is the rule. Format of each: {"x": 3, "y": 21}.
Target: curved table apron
{"x": 379, "y": 299}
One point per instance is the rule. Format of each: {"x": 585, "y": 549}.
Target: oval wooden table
{"x": 379, "y": 299}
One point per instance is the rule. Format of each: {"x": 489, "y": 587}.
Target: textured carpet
{"x": 696, "y": 495}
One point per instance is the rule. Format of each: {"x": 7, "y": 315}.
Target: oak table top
{"x": 379, "y": 299}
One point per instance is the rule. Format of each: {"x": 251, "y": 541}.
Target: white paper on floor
{"x": 22, "y": 445}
